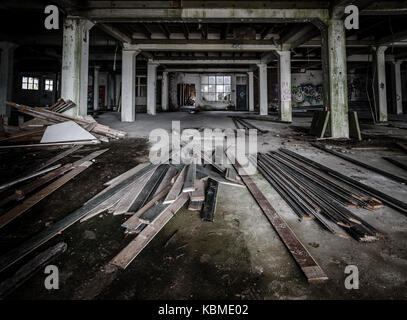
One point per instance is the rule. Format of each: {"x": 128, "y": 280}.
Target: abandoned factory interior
{"x": 203, "y": 150}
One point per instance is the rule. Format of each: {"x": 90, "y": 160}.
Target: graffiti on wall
{"x": 307, "y": 94}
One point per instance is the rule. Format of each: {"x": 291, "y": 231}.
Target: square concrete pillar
{"x": 117, "y": 88}
{"x": 251, "y": 90}
{"x": 151, "y": 87}
{"x": 263, "y": 89}
{"x": 335, "y": 76}
{"x": 6, "y": 74}
{"x": 75, "y": 64}
{"x": 284, "y": 76}
{"x": 129, "y": 85}
{"x": 380, "y": 83}
{"x": 164, "y": 91}
{"x": 96, "y": 72}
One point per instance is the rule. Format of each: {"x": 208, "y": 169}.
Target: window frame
{"x": 49, "y": 85}
{"x": 30, "y": 83}
{"x": 213, "y": 87}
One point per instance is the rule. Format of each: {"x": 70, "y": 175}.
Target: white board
{"x": 64, "y": 132}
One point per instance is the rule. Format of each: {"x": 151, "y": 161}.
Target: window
{"x": 216, "y": 88}
{"x": 49, "y": 85}
{"x": 141, "y": 86}
{"x": 30, "y": 83}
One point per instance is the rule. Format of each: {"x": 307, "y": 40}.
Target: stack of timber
{"x": 315, "y": 193}
{"x": 30, "y": 134}
{"x": 242, "y": 123}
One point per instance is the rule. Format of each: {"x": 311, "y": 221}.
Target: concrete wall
{"x": 36, "y": 98}
{"x": 176, "y": 78}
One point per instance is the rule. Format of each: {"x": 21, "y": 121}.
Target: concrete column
{"x": 75, "y": 64}
{"x": 164, "y": 92}
{"x": 251, "y": 90}
{"x": 117, "y": 88}
{"x": 380, "y": 87}
{"x": 6, "y": 74}
{"x": 129, "y": 86}
{"x": 151, "y": 87}
{"x": 337, "y": 98}
{"x": 284, "y": 76}
{"x": 96, "y": 88}
{"x": 263, "y": 89}
{"x": 397, "y": 94}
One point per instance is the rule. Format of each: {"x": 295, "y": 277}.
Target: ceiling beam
{"x": 225, "y": 31}
{"x": 115, "y": 33}
{"x": 202, "y": 46}
{"x": 164, "y": 29}
{"x": 147, "y": 32}
{"x": 185, "y": 30}
{"x": 209, "y": 61}
{"x": 391, "y": 39}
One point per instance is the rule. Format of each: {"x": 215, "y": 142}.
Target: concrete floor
{"x": 239, "y": 256}
{"x": 382, "y": 265}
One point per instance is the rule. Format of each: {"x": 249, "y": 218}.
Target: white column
{"x": 251, "y": 91}
{"x": 117, "y": 87}
{"x": 6, "y": 74}
{"x": 75, "y": 64}
{"x": 129, "y": 86}
{"x": 263, "y": 89}
{"x": 381, "y": 83}
{"x": 164, "y": 92}
{"x": 151, "y": 87}
{"x": 398, "y": 91}
{"x": 284, "y": 76}
{"x": 96, "y": 88}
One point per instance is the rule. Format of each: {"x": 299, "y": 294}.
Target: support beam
{"x": 218, "y": 61}
{"x": 380, "y": 86}
{"x": 164, "y": 91}
{"x": 284, "y": 76}
{"x": 6, "y": 72}
{"x": 75, "y": 64}
{"x": 115, "y": 33}
{"x": 263, "y": 104}
{"x": 335, "y": 76}
{"x": 128, "y": 110}
{"x": 96, "y": 72}
{"x": 151, "y": 87}
{"x": 251, "y": 90}
{"x": 397, "y": 91}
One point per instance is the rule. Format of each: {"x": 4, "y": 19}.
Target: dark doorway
{"x": 241, "y": 99}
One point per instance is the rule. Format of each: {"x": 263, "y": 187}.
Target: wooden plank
{"x": 396, "y": 162}
{"x": 199, "y": 193}
{"x": 190, "y": 178}
{"x": 58, "y": 157}
{"x": 149, "y": 188}
{"x": 22, "y": 192}
{"x": 29, "y": 269}
{"x": 133, "y": 249}
{"x": 128, "y": 199}
{"x": 27, "y": 177}
{"x": 176, "y": 188}
{"x": 312, "y": 271}
{"x": 216, "y": 176}
{"x": 211, "y": 197}
{"x": 126, "y": 175}
{"x": 166, "y": 181}
{"x": 28, "y": 203}
{"x": 195, "y": 205}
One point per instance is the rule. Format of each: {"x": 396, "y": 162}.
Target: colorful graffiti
{"x": 307, "y": 94}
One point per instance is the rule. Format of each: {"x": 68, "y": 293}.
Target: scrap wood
{"x": 190, "y": 178}
{"x": 127, "y": 201}
{"x": 195, "y": 205}
{"x": 28, "y": 203}
{"x": 47, "y": 145}
{"x": 199, "y": 193}
{"x": 202, "y": 171}
{"x": 176, "y": 187}
{"x": 30, "y": 268}
{"x": 111, "y": 201}
{"x": 58, "y": 117}
{"x": 58, "y": 157}
{"x": 28, "y": 177}
{"x": 126, "y": 175}
{"x": 130, "y": 252}
{"x": 308, "y": 265}
{"x": 20, "y": 193}
{"x": 25, "y": 136}
{"x": 167, "y": 180}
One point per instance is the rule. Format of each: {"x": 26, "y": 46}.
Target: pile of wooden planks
{"x": 313, "y": 193}
{"x": 29, "y": 134}
{"x": 152, "y": 194}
